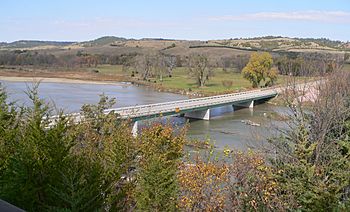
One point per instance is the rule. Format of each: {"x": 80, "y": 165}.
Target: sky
{"x": 80, "y": 20}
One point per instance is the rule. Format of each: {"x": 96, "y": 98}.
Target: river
{"x": 225, "y": 129}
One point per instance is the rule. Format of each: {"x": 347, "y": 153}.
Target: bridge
{"x": 198, "y": 108}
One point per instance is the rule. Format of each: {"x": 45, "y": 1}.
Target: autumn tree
{"x": 259, "y": 70}
{"x": 254, "y": 187}
{"x": 200, "y": 68}
{"x": 203, "y": 185}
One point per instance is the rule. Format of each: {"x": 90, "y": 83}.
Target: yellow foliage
{"x": 259, "y": 69}
{"x": 203, "y": 186}
{"x": 254, "y": 182}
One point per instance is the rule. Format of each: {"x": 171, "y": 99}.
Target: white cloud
{"x": 318, "y": 16}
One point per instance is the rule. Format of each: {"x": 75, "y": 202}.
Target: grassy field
{"x": 181, "y": 81}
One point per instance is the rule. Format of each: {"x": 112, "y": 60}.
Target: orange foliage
{"x": 203, "y": 186}
{"x": 253, "y": 186}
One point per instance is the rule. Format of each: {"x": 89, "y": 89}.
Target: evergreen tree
{"x": 160, "y": 152}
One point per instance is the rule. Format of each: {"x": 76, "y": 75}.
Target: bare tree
{"x": 225, "y": 63}
{"x": 240, "y": 61}
{"x": 144, "y": 66}
{"x": 170, "y": 62}
{"x": 159, "y": 65}
{"x": 200, "y": 68}
{"x": 128, "y": 63}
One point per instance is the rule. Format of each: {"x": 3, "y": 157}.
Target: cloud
{"x": 316, "y": 16}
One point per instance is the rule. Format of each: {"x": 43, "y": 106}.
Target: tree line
{"x": 310, "y": 64}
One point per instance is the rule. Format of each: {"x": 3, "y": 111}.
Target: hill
{"x": 106, "y": 40}
{"x": 282, "y": 44}
{"x": 25, "y": 44}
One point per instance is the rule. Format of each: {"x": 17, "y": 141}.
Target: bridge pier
{"x": 135, "y": 129}
{"x": 199, "y": 114}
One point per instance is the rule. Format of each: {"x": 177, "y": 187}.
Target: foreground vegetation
{"x": 97, "y": 165}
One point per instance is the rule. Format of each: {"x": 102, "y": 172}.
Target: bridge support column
{"x": 249, "y": 104}
{"x": 199, "y": 114}
{"x": 135, "y": 129}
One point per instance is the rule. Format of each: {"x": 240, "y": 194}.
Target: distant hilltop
{"x": 267, "y": 43}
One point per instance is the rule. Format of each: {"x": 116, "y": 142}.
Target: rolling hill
{"x": 215, "y": 48}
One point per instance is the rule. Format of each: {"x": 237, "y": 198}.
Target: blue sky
{"x": 78, "y": 20}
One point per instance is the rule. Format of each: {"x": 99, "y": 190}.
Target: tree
{"x": 159, "y": 65}
{"x": 160, "y": 153}
{"x": 144, "y": 66}
{"x": 8, "y": 129}
{"x": 258, "y": 69}
{"x": 240, "y": 61}
{"x": 128, "y": 62}
{"x": 225, "y": 63}
{"x": 200, "y": 68}
{"x": 170, "y": 62}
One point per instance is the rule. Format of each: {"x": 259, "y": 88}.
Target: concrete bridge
{"x": 198, "y": 108}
